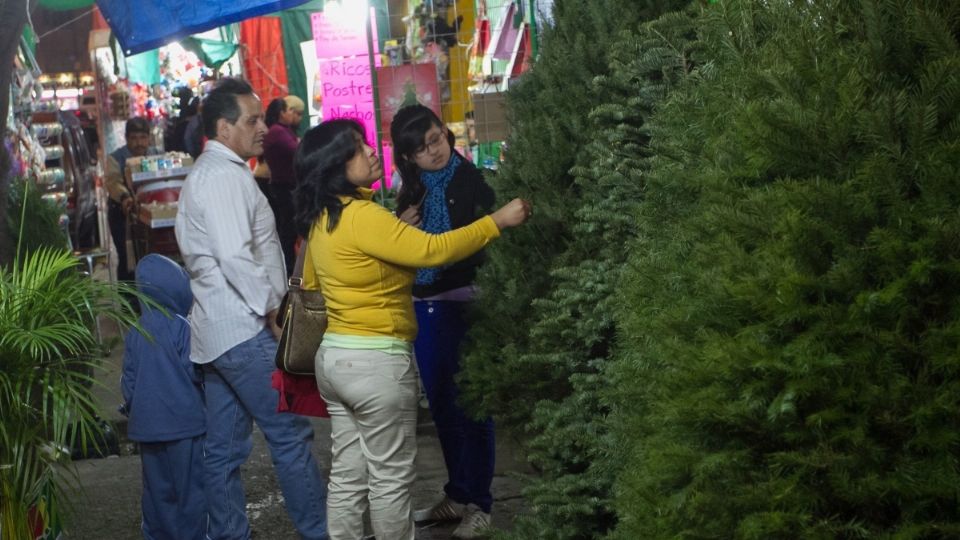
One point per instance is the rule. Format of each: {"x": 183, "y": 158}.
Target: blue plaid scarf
{"x": 433, "y": 212}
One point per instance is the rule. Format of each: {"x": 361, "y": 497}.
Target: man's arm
{"x": 114, "y": 182}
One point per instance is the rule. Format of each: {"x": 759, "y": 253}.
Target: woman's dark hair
{"x": 272, "y": 116}
{"x": 407, "y": 133}
{"x": 221, "y": 102}
{"x": 320, "y": 167}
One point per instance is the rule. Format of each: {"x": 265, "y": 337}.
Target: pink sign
{"x": 347, "y": 91}
{"x": 361, "y": 112}
{"x": 337, "y": 34}
{"x": 343, "y": 31}
{"x": 345, "y": 80}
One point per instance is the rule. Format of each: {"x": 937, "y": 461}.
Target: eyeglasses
{"x": 433, "y": 142}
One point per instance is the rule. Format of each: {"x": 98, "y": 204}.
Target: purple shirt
{"x": 279, "y": 146}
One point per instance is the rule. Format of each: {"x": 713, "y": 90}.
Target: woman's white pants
{"x": 372, "y": 398}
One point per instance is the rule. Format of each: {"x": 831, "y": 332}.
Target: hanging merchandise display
{"x": 481, "y": 40}
{"x": 425, "y": 59}
{"x": 162, "y": 85}
{"x": 504, "y": 44}
{"x": 49, "y": 148}
{"x": 435, "y": 31}
{"x": 180, "y": 66}
{"x": 51, "y": 178}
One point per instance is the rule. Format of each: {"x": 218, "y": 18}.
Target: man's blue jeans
{"x": 238, "y": 392}
{"x": 468, "y": 445}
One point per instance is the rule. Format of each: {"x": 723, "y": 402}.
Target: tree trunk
{"x": 13, "y": 14}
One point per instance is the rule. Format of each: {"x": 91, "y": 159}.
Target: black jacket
{"x": 469, "y": 197}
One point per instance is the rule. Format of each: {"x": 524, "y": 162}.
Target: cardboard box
{"x": 157, "y": 215}
{"x": 490, "y": 116}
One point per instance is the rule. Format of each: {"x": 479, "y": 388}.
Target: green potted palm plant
{"x": 48, "y": 351}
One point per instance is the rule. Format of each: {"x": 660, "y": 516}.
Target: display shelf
{"x": 158, "y": 223}
{"x": 173, "y": 182}
{"x": 149, "y": 176}
{"x": 156, "y": 192}
{"x": 51, "y": 178}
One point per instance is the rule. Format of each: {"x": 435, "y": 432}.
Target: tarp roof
{"x": 142, "y": 25}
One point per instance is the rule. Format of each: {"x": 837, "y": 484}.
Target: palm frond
{"x": 48, "y": 352}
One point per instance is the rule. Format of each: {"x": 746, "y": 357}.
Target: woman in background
{"x": 262, "y": 173}
{"x": 279, "y": 146}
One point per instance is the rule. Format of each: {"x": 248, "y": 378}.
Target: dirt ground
{"x": 107, "y": 505}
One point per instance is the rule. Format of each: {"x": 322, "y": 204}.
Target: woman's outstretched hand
{"x": 514, "y": 213}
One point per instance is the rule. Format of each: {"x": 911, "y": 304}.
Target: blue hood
{"x": 166, "y": 282}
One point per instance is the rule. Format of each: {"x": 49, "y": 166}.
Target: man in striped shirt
{"x": 228, "y": 239}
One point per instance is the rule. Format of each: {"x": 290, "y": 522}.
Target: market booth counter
{"x": 155, "y": 182}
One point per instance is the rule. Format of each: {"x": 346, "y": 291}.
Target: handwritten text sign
{"x": 340, "y": 33}
{"x": 346, "y": 80}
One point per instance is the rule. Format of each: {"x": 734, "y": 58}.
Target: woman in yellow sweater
{"x": 365, "y": 261}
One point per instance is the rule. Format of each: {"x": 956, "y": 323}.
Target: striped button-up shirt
{"x": 228, "y": 239}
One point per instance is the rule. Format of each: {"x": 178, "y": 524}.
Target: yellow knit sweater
{"x": 367, "y": 265}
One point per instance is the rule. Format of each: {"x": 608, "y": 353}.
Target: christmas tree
{"x": 791, "y": 317}
{"x": 545, "y": 325}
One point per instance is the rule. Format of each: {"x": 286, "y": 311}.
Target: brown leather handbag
{"x": 303, "y": 317}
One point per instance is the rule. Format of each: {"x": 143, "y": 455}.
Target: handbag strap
{"x": 296, "y": 279}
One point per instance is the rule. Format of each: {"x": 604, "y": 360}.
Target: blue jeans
{"x": 468, "y": 445}
{"x": 238, "y": 392}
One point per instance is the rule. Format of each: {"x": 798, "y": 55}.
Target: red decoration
{"x": 263, "y": 60}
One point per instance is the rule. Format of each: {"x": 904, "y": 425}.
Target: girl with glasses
{"x": 442, "y": 191}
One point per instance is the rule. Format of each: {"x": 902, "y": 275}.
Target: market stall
{"x": 46, "y": 139}
{"x": 156, "y": 182}
{"x": 357, "y": 59}
{"x": 162, "y": 86}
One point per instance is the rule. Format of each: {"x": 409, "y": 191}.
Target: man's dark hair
{"x": 221, "y": 102}
{"x": 137, "y": 125}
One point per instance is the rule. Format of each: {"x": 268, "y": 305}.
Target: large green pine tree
{"x": 791, "y": 323}
{"x": 546, "y": 325}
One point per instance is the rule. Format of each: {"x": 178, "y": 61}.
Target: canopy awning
{"x": 148, "y": 24}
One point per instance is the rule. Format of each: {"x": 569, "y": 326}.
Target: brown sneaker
{"x": 475, "y": 524}
{"x": 445, "y": 510}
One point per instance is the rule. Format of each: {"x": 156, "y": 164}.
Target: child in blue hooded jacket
{"x": 164, "y": 401}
